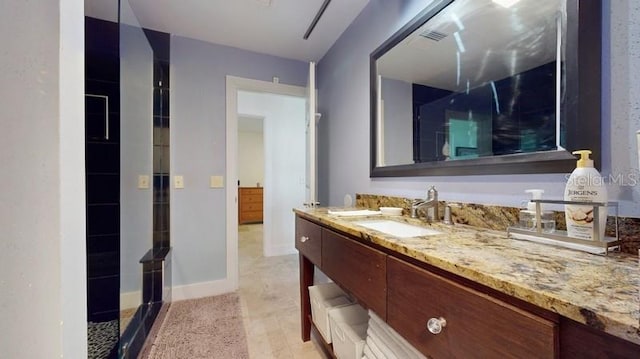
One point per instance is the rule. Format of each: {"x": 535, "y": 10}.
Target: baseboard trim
{"x": 203, "y": 289}
{"x": 130, "y": 300}
{"x": 279, "y": 250}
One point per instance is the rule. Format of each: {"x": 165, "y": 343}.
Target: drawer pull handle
{"x": 304, "y": 239}
{"x": 435, "y": 325}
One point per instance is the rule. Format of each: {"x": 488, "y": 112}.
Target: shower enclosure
{"x": 127, "y": 176}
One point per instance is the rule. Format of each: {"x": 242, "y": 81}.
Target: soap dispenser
{"x": 527, "y": 217}
{"x": 585, "y": 185}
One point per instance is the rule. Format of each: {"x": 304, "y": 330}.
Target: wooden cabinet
{"x": 250, "y": 205}
{"x": 579, "y": 341}
{"x": 309, "y": 240}
{"x": 480, "y": 323}
{"x": 476, "y": 325}
{"x": 360, "y": 269}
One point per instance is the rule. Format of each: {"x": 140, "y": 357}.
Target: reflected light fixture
{"x": 458, "y": 68}
{"x": 457, "y": 21}
{"x": 506, "y": 3}
{"x": 459, "y": 43}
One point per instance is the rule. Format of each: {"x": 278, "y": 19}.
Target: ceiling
{"x": 274, "y": 27}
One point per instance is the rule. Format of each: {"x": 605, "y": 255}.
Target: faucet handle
{"x": 447, "y": 215}
{"x": 414, "y": 207}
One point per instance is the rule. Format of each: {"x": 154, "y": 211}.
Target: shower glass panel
{"x": 136, "y": 196}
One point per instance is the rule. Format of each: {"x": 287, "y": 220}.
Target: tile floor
{"x": 270, "y": 300}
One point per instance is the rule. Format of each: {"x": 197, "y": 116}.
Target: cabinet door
{"x": 309, "y": 240}
{"x": 358, "y": 268}
{"x": 477, "y": 326}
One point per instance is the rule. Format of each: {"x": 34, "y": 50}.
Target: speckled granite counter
{"x": 601, "y": 292}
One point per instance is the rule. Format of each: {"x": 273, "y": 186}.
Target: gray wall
{"x": 398, "y": 121}
{"x": 198, "y": 217}
{"x": 42, "y": 250}
{"x": 343, "y": 84}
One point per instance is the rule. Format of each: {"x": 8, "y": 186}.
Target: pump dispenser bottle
{"x": 527, "y": 217}
{"x": 585, "y": 185}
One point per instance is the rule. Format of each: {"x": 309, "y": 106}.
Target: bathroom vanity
{"x": 491, "y": 296}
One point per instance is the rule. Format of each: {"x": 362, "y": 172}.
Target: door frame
{"x": 233, "y": 85}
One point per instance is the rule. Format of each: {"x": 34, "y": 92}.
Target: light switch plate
{"x": 178, "y": 182}
{"x": 143, "y": 182}
{"x": 216, "y": 182}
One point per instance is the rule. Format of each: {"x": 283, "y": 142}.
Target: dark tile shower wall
{"x": 161, "y": 45}
{"x": 152, "y": 263}
{"x": 102, "y": 164}
{"x": 153, "y": 272}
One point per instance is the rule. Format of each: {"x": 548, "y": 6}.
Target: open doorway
{"x": 250, "y": 169}
{"x": 282, "y": 109}
{"x": 283, "y": 183}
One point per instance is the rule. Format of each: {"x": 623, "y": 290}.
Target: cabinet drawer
{"x": 251, "y": 207}
{"x": 251, "y": 217}
{"x": 477, "y": 326}
{"x": 580, "y": 341}
{"x": 309, "y": 240}
{"x": 358, "y": 268}
{"x": 249, "y": 199}
{"x": 251, "y": 191}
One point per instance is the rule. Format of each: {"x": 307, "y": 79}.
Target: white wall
{"x": 136, "y": 143}
{"x": 42, "y": 251}
{"x": 198, "y": 150}
{"x": 250, "y": 158}
{"x": 343, "y": 86}
{"x": 284, "y": 144}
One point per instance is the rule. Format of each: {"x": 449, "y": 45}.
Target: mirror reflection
{"x": 479, "y": 79}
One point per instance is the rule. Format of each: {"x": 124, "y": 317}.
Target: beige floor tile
{"x": 270, "y": 301}
{"x": 272, "y": 343}
{"x": 305, "y": 351}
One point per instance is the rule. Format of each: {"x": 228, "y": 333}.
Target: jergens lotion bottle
{"x": 585, "y": 185}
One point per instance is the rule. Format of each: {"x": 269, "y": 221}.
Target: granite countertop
{"x": 602, "y": 292}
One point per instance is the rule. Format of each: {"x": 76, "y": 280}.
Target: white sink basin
{"x": 397, "y": 229}
{"x": 358, "y": 212}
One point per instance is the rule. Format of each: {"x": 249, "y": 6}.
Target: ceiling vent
{"x": 433, "y": 35}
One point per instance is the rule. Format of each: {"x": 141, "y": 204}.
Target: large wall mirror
{"x": 488, "y": 87}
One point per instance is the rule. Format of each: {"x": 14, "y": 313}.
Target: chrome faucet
{"x": 430, "y": 203}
